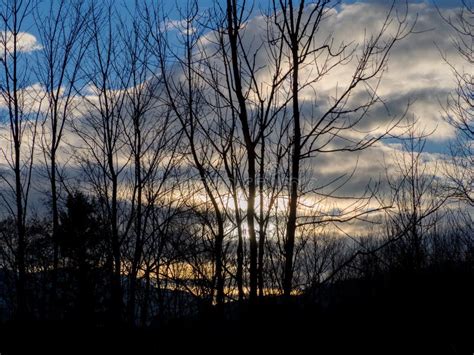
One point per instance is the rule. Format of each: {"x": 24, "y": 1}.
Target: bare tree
{"x": 299, "y": 24}
{"x": 184, "y": 98}
{"x": 100, "y": 130}
{"x": 416, "y": 196}
{"x": 235, "y": 19}
{"x": 150, "y": 139}
{"x": 23, "y": 105}
{"x": 63, "y": 47}
{"x": 247, "y": 112}
{"x": 459, "y": 110}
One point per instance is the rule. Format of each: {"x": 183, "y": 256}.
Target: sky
{"x": 172, "y": 8}
{"x": 416, "y": 70}
{"x": 416, "y": 75}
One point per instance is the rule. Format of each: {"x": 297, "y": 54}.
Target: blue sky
{"x": 172, "y": 7}
{"x": 416, "y": 72}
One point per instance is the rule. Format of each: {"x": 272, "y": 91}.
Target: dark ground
{"x": 430, "y": 313}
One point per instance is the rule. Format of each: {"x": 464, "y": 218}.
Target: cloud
{"x": 415, "y": 74}
{"x": 30, "y": 99}
{"x": 178, "y": 25}
{"x": 25, "y": 42}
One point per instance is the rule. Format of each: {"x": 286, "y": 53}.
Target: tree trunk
{"x": 295, "y": 166}
{"x": 116, "y": 294}
{"x": 20, "y": 218}
{"x": 249, "y": 145}
{"x": 138, "y": 235}
{"x": 55, "y": 212}
{"x": 261, "y": 222}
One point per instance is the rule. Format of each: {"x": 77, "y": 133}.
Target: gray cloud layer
{"x": 416, "y": 74}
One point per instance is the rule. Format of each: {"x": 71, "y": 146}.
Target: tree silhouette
{"x": 81, "y": 241}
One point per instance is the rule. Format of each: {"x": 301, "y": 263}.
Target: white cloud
{"x": 178, "y": 25}
{"x": 30, "y": 99}
{"x": 25, "y": 42}
{"x": 416, "y": 73}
